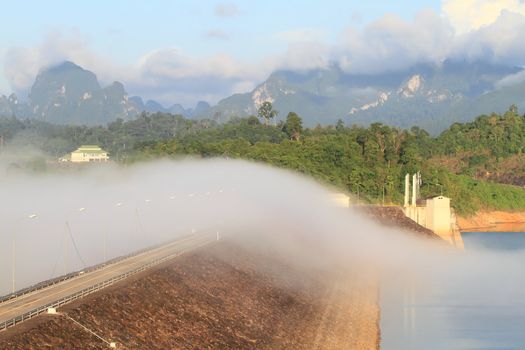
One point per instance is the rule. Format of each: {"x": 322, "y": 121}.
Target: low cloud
{"x": 168, "y": 75}
{"x": 177, "y": 77}
{"x": 302, "y": 56}
{"x": 22, "y": 64}
{"x": 391, "y": 43}
{"x": 511, "y": 80}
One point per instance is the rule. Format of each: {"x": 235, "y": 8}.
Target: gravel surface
{"x": 216, "y": 298}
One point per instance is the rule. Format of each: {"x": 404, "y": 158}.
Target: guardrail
{"x": 51, "y": 282}
{"x": 80, "y": 294}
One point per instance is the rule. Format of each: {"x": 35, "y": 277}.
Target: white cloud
{"x": 499, "y": 42}
{"x": 22, "y": 64}
{"x": 391, "y": 43}
{"x": 177, "y": 77}
{"x": 510, "y": 80}
{"x": 301, "y": 56}
{"x": 226, "y": 10}
{"x": 244, "y": 86}
{"x": 468, "y": 15}
{"x": 387, "y": 44}
{"x": 167, "y": 75}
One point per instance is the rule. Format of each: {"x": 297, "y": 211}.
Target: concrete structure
{"x": 86, "y": 154}
{"x": 433, "y": 213}
{"x": 25, "y": 306}
{"x": 438, "y": 214}
{"x": 341, "y": 199}
{"x": 407, "y": 190}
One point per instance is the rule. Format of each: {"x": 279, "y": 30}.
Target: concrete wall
{"x": 417, "y": 214}
{"x": 341, "y": 200}
{"x": 438, "y": 216}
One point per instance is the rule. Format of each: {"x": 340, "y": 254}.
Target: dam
{"x": 435, "y": 213}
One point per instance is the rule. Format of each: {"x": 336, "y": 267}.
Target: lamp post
{"x": 13, "y": 256}
{"x": 117, "y": 205}
{"x": 66, "y": 246}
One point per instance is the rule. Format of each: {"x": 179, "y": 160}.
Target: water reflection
{"x": 475, "y": 302}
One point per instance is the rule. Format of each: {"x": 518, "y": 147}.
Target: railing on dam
{"x": 50, "y": 282}
{"x": 84, "y": 292}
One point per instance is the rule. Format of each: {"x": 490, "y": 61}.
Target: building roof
{"x": 89, "y": 149}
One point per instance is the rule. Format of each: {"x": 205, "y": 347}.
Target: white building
{"x": 87, "y": 154}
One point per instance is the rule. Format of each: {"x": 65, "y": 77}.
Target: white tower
{"x": 407, "y": 189}
{"x": 414, "y": 189}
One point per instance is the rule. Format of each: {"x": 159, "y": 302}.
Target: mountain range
{"x": 431, "y": 96}
{"x": 69, "y": 94}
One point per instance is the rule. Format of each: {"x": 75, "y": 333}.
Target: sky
{"x": 183, "y": 52}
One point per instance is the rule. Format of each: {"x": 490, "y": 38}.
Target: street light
{"x": 118, "y": 205}
{"x": 13, "y": 265}
{"x": 68, "y": 230}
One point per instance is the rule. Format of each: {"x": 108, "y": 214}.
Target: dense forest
{"x": 467, "y": 162}
{"x": 116, "y": 137}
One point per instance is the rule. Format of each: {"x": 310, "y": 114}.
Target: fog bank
{"x": 134, "y": 207}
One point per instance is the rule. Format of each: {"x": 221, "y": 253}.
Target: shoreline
{"x": 496, "y": 228}
{"x": 493, "y": 221}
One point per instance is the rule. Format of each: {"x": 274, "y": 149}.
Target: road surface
{"x": 25, "y": 303}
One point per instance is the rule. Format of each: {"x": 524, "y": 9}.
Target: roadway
{"x": 39, "y": 298}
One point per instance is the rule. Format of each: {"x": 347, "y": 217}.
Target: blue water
{"x": 476, "y": 301}
{"x": 496, "y": 241}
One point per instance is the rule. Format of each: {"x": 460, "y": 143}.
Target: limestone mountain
{"x": 68, "y": 93}
{"x": 431, "y": 96}
{"x": 200, "y": 109}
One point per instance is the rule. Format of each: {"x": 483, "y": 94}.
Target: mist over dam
{"x": 56, "y": 224}
{"x": 112, "y": 212}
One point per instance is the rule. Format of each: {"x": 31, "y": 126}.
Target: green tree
{"x": 340, "y": 125}
{"x": 267, "y": 112}
{"x": 293, "y": 127}
{"x": 252, "y": 120}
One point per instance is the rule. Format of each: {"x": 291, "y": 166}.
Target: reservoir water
{"x": 476, "y": 301}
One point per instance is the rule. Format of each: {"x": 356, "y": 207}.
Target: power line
{"x": 74, "y": 244}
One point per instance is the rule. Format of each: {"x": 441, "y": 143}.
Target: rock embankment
{"x": 393, "y": 216}
{"x": 220, "y": 297}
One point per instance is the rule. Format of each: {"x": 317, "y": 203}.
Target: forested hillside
{"x": 465, "y": 162}
{"x": 371, "y": 162}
